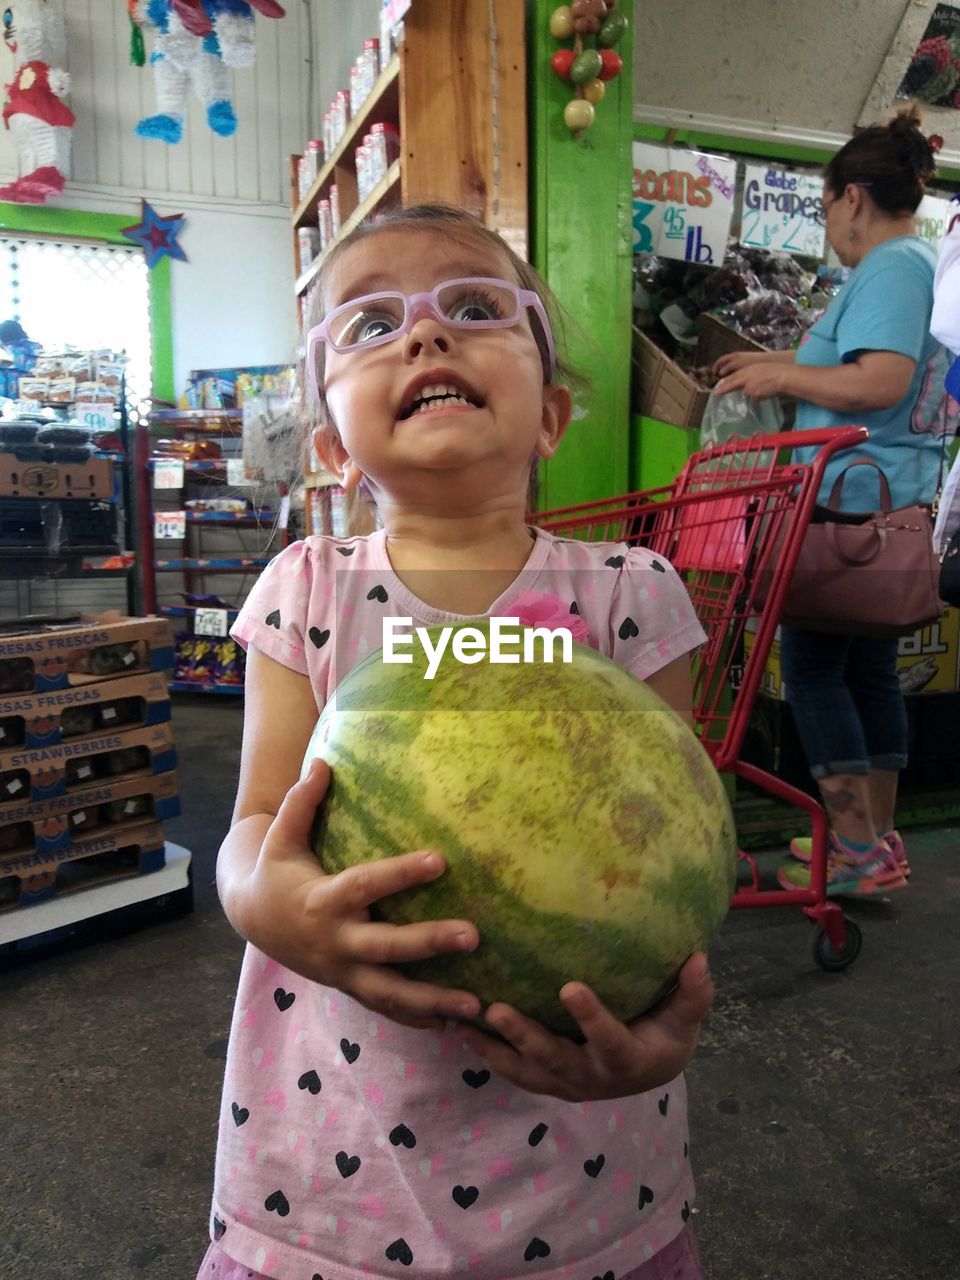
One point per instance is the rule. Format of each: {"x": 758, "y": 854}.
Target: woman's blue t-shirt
{"x": 884, "y": 306}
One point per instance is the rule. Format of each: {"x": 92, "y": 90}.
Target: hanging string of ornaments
{"x": 596, "y": 27}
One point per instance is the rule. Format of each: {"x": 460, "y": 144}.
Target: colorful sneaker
{"x": 849, "y": 873}
{"x": 801, "y": 848}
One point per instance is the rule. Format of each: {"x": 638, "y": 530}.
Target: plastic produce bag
{"x": 734, "y": 414}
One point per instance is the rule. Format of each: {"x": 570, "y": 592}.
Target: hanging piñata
{"x": 196, "y": 43}
{"x": 39, "y": 120}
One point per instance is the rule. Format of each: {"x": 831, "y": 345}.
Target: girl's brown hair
{"x": 894, "y": 161}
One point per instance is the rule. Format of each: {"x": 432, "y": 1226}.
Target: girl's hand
{"x": 617, "y": 1060}
{"x": 319, "y": 925}
{"x": 756, "y": 381}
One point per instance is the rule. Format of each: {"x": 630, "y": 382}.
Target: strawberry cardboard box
{"x": 37, "y": 656}
{"x": 42, "y": 826}
{"x": 83, "y": 710}
{"x": 113, "y": 855}
{"x": 39, "y": 773}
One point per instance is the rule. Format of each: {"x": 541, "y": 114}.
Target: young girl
{"x": 364, "y": 1131}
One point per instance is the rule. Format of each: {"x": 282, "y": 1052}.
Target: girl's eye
{"x": 365, "y": 326}
{"x": 473, "y": 307}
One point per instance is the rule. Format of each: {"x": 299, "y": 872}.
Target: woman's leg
{"x": 815, "y": 670}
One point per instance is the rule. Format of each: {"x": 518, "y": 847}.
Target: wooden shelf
{"x": 387, "y": 184}
{"x": 381, "y": 106}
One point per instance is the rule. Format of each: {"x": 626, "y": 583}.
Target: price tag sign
{"x": 168, "y": 475}
{"x": 235, "y": 472}
{"x": 98, "y": 417}
{"x": 170, "y": 524}
{"x": 782, "y": 211}
{"x": 210, "y": 622}
{"x": 682, "y": 203}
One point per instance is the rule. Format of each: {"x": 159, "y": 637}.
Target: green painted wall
{"x": 107, "y": 226}
{"x": 581, "y": 241}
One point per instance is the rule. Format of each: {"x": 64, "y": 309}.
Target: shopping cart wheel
{"x": 826, "y": 954}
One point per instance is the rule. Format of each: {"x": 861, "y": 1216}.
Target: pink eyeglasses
{"x": 474, "y": 302}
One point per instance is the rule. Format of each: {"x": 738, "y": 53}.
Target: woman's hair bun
{"x": 907, "y": 127}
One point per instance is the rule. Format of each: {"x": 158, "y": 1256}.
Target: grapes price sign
{"x": 782, "y": 211}
{"x": 682, "y": 203}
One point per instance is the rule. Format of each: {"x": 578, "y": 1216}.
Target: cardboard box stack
{"x": 87, "y": 761}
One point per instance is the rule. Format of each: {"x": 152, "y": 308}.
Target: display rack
{"x": 170, "y": 578}
{"x": 59, "y": 526}
{"x": 453, "y": 92}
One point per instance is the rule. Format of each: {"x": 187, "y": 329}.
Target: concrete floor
{"x": 824, "y": 1116}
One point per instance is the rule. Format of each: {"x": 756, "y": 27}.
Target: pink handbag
{"x": 878, "y": 577}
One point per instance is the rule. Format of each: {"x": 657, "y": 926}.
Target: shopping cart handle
{"x": 839, "y": 437}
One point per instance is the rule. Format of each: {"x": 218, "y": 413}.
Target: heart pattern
{"x": 310, "y": 1080}
{"x": 346, "y": 551}
{"x": 465, "y": 1196}
{"x": 645, "y": 1197}
{"x": 664, "y": 1103}
{"x": 615, "y": 562}
{"x": 347, "y": 1165}
{"x": 277, "y": 1203}
{"x": 240, "y": 1114}
{"x": 399, "y": 1251}
{"x": 537, "y": 1134}
{"x": 655, "y": 564}
{"x": 378, "y": 593}
{"x": 273, "y": 619}
{"x": 351, "y": 1052}
{"x": 283, "y": 999}
{"x": 537, "y": 1248}
{"x": 401, "y": 1136}
{"x": 592, "y": 1167}
{"x": 475, "y": 1079}
{"x": 318, "y": 638}
{"x": 628, "y": 628}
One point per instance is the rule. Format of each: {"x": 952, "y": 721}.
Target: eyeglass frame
{"x": 413, "y": 306}
{"x": 820, "y": 218}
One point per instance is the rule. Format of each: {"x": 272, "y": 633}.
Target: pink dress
{"x": 351, "y": 1146}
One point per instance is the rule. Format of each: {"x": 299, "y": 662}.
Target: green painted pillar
{"x": 581, "y": 194}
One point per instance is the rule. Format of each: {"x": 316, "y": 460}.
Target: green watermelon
{"x": 586, "y": 832}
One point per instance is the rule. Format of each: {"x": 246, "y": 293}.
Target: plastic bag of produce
{"x": 734, "y": 414}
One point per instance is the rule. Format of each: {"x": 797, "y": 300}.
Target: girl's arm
{"x": 675, "y": 686}
{"x": 275, "y": 892}
{"x": 875, "y": 380}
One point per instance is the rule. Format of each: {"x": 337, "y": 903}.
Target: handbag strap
{"x": 833, "y": 502}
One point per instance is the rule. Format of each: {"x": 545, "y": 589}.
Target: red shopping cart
{"x": 731, "y": 524}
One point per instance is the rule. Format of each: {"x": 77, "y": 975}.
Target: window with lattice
{"x": 88, "y": 296}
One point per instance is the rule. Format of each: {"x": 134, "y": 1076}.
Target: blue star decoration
{"x": 156, "y": 235}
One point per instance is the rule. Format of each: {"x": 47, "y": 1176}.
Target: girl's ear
{"x": 330, "y": 451}
{"x": 557, "y": 409}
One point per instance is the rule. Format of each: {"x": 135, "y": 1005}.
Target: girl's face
{"x": 437, "y": 401}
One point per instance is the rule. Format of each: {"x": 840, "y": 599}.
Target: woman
{"x": 870, "y": 360}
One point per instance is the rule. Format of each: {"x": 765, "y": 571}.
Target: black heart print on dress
{"x": 347, "y": 1165}
{"x": 310, "y": 1080}
{"x": 464, "y": 1196}
{"x": 240, "y": 1114}
{"x": 346, "y": 551}
{"x": 399, "y": 1251}
{"x": 277, "y": 1203}
{"x": 664, "y": 1103}
{"x": 537, "y": 1134}
{"x": 615, "y": 562}
{"x": 273, "y": 619}
{"x": 319, "y": 638}
{"x": 645, "y": 1197}
{"x": 537, "y": 1248}
{"x": 655, "y": 564}
{"x": 283, "y": 999}
{"x": 377, "y": 593}
{"x": 401, "y": 1136}
{"x": 475, "y": 1079}
{"x": 628, "y": 628}
{"x": 350, "y": 1051}
{"x": 607, "y": 1275}
{"x": 592, "y": 1167}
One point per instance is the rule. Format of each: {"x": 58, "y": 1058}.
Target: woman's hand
{"x": 757, "y": 381}
{"x": 319, "y": 925}
{"x": 734, "y": 361}
{"x": 616, "y": 1060}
